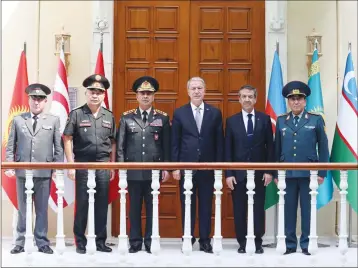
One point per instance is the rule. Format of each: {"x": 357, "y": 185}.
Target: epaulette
{"x": 129, "y": 112}
{"x": 314, "y": 113}
{"x": 283, "y": 114}
{"x": 76, "y": 108}
{"x": 160, "y": 112}
{"x": 106, "y": 109}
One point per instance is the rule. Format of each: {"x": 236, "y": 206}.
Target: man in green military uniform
{"x": 92, "y": 131}
{"x": 143, "y": 136}
{"x": 298, "y": 136}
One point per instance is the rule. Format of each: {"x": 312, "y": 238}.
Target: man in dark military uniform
{"x": 91, "y": 128}
{"x": 143, "y": 136}
{"x": 298, "y": 135}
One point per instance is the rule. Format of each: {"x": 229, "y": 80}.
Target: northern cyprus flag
{"x": 344, "y": 147}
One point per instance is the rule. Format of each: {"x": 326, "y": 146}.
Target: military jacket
{"x": 92, "y": 136}
{"x": 306, "y": 142}
{"x": 139, "y": 142}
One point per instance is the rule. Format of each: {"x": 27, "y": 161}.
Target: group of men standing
{"x": 145, "y": 134}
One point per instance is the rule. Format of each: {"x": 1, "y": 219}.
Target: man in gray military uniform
{"x": 298, "y": 136}
{"x": 90, "y": 131}
{"x": 143, "y": 136}
{"x": 34, "y": 137}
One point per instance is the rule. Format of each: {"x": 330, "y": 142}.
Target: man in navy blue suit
{"x": 197, "y": 136}
{"x": 248, "y": 138}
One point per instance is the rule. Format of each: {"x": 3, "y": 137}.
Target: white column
{"x": 281, "y": 245}
{"x": 60, "y": 237}
{"x": 218, "y": 185}
{"x": 188, "y": 185}
{"x": 250, "y": 185}
{"x": 91, "y": 237}
{"x": 122, "y": 237}
{"x": 29, "y": 184}
{"x": 343, "y": 246}
{"x": 313, "y": 245}
{"x": 155, "y": 246}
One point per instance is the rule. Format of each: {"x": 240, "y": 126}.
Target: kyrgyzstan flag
{"x": 19, "y": 105}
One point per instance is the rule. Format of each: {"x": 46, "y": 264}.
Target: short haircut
{"x": 249, "y": 87}
{"x": 196, "y": 78}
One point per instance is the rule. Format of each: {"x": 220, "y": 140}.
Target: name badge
{"x": 157, "y": 123}
{"x": 310, "y": 127}
{"x": 106, "y": 125}
{"x": 85, "y": 124}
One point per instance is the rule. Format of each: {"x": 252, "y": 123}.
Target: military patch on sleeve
{"x": 129, "y": 112}
{"x": 161, "y": 112}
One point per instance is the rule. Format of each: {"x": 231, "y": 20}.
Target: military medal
{"x": 156, "y": 136}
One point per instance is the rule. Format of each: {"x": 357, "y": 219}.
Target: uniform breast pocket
{"x": 47, "y": 128}
{"x": 156, "y": 135}
{"x": 106, "y": 130}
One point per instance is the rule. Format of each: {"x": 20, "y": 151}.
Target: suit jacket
{"x": 188, "y": 145}
{"x": 42, "y": 145}
{"x": 300, "y": 144}
{"x": 139, "y": 142}
{"x": 239, "y": 149}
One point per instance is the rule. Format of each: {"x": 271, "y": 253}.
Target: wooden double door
{"x": 221, "y": 41}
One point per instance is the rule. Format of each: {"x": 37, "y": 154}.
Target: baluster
{"x": 91, "y": 237}
{"x": 155, "y": 246}
{"x": 122, "y": 237}
{"x": 313, "y": 245}
{"x": 60, "y": 237}
{"x": 343, "y": 246}
{"x": 250, "y": 185}
{"x": 218, "y": 185}
{"x": 281, "y": 244}
{"x": 29, "y": 184}
{"x": 188, "y": 185}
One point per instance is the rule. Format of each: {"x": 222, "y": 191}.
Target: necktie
{"x": 250, "y": 127}
{"x": 198, "y": 118}
{"x": 35, "y": 123}
{"x": 144, "y": 117}
{"x": 295, "y": 120}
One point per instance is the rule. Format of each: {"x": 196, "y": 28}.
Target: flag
{"x": 344, "y": 147}
{"x": 315, "y": 104}
{"x": 60, "y": 106}
{"x": 113, "y": 185}
{"x": 275, "y": 106}
{"x": 19, "y": 105}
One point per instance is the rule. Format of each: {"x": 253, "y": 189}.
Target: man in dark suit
{"x": 197, "y": 136}
{"x": 34, "y": 137}
{"x": 143, "y": 136}
{"x": 248, "y": 138}
{"x": 298, "y": 136}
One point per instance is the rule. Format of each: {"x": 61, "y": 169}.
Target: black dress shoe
{"x": 241, "y": 250}
{"x": 305, "y": 251}
{"x": 80, "y": 249}
{"x": 17, "y": 249}
{"x": 206, "y": 247}
{"x": 259, "y": 250}
{"x": 46, "y": 249}
{"x": 103, "y": 248}
{"x": 134, "y": 249}
{"x": 290, "y": 251}
{"x": 147, "y": 249}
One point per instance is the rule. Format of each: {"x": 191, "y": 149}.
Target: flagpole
{"x": 350, "y": 240}
{"x": 275, "y": 231}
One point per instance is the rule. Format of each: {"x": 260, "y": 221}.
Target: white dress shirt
{"x": 148, "y": 112}
{"x": 246, "y": 118}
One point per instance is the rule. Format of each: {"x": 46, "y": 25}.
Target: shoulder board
{"x": 50, "y": 114}
{"x": 160, "y": 112}
{"x": 106, "y": 109}
{"x": 129, "y": 112}
{"x": 283, "y": 114}
{"x": 76, "y": 108}
{"x": 314, "y": 113}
